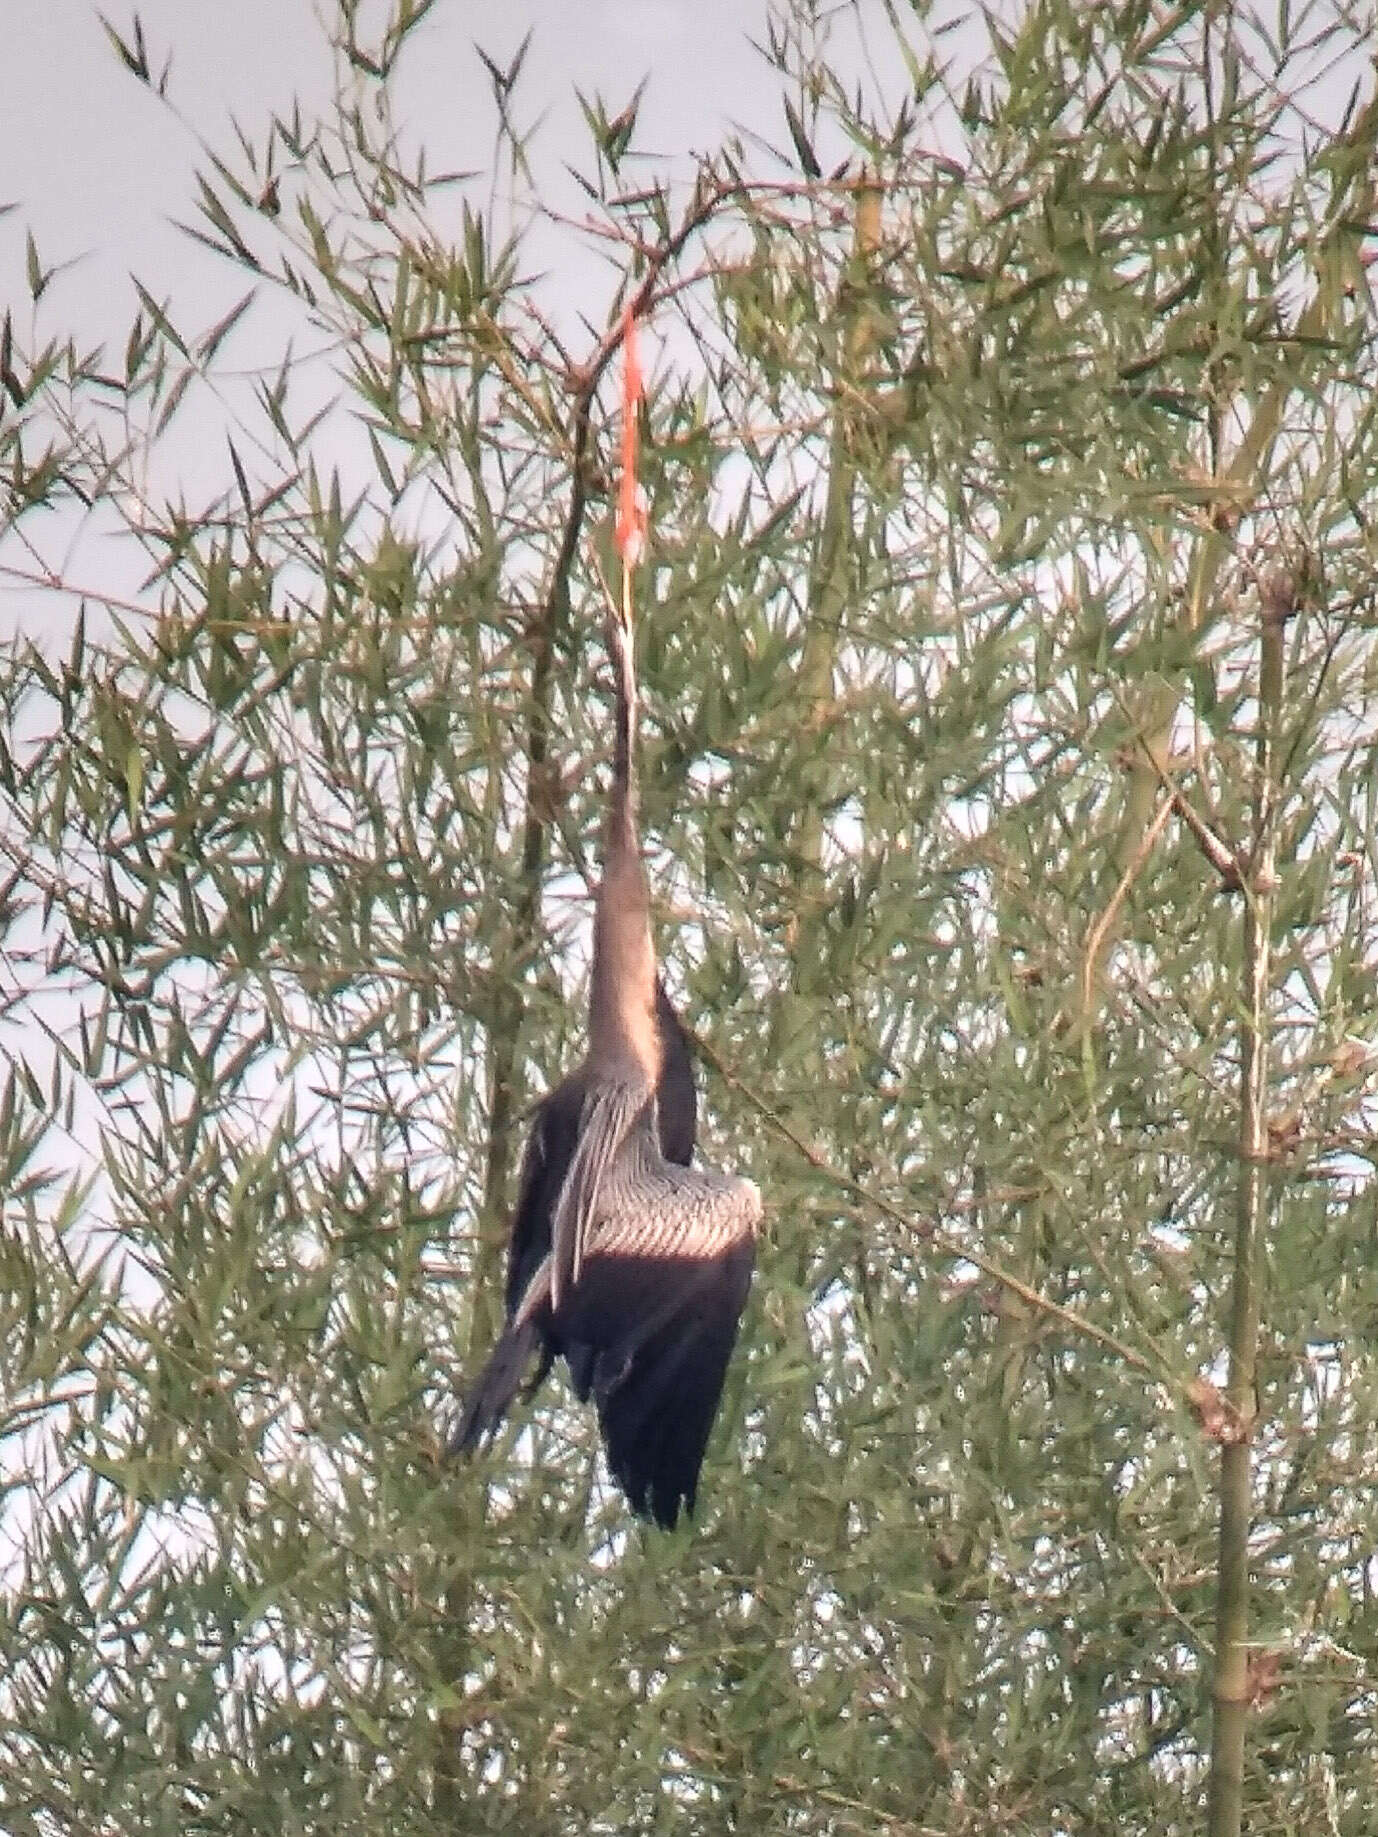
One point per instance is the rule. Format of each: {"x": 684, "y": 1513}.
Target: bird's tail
{"x": 491, "y": 1397}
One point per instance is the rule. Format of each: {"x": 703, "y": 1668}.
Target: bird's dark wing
{"x": 554, "y": 1136}
{"x": 549, "y": 1151}
{"x": 676, "y": 1098}
{"x": 608, "y": 1115}
{"x": 665, "y": 1279}
{"x": 656, "y": 1406}
{"x": 500, "y": 1380}
{"x": 556, "y": 1133}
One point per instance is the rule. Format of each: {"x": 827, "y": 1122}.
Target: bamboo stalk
{"x": 1244, "y": 478}
{"x": 1226, "y": 1798}
{"x": 828, "y": 587}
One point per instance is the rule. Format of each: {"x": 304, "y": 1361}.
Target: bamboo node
{"x": 1220, "y": 1420}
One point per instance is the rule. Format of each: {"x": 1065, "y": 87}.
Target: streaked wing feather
{"x": 608, "y": 1114}
{"x": 545, "y": 1164}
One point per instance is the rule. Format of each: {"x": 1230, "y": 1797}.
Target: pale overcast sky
{"x": 97, "y": 167}
{"x": 99, "y": 170}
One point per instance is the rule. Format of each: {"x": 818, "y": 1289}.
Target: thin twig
{"x": 934, "y": 1233}
{"x": 1098, "y": 933}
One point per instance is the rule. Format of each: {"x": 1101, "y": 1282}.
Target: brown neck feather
{"x": 622, "y": 1006}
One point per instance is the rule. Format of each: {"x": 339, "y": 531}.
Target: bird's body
{"x": 624, "y": 1260}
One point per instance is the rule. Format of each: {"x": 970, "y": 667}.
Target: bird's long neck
{"x": 622, "y": 1007}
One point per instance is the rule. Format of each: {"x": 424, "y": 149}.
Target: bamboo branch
{"x": 1093, "y": 952}
{"x": 1244, "y": 476}
{"x": 1232, "y": 1691}
{"x": 1220, "y": 856}
{"x": 935, "y": 1235}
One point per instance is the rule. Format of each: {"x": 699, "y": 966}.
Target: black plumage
{"x": 625, "y": 1261}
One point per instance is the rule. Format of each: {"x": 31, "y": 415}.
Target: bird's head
{"x": 621, "y": 642}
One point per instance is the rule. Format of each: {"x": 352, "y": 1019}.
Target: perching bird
{"x": 624, "y": 1260}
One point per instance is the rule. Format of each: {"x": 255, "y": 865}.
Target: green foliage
{"x": 965, "y": 469}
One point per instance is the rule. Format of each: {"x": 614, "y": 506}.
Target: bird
{"x": 624, "y": 1260}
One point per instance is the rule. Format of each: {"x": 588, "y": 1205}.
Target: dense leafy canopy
{"x": 999, "y": 424}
